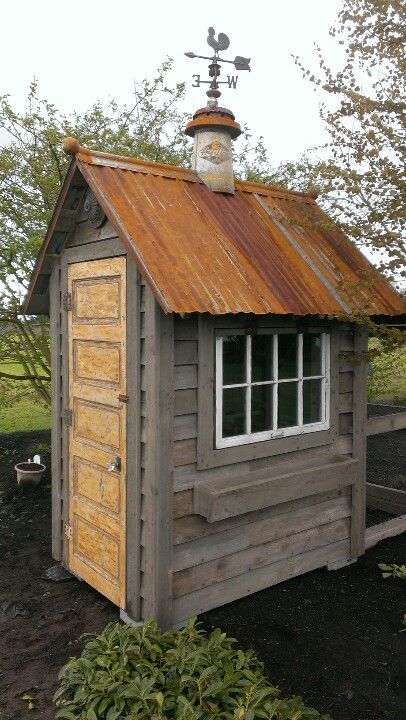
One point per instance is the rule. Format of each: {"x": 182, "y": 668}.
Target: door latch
{"x": 68, "y": 531}
{"x": 114, "y": 465}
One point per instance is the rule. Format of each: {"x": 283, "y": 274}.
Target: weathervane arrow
{"x": 239, "y": 62}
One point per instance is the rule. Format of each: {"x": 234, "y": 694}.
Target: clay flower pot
{"x": 29, "y": 474}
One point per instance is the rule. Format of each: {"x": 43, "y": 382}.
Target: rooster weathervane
{"x": 219, "y": 45}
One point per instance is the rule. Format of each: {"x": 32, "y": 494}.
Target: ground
{"x": 332, "y": 637}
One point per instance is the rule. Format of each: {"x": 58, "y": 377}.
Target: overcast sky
{"x": 83, "y": 50}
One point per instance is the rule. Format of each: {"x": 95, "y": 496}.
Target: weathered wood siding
{"x": 178, "y": 563}
{"x": 217, "y": 562}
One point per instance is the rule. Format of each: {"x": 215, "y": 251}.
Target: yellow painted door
{"x": 97, "y": 434}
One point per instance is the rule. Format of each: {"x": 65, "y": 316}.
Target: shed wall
{"x": 217, "y": 562}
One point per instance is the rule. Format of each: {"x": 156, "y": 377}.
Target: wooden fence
{"x": 384, "y": 498}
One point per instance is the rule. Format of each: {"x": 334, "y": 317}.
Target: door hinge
{"x": 68, "y": 531}
{"x": 67, "y": 301}
{"x": 68, "y": 417}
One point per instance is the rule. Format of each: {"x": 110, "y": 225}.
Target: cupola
{"x": 213, "y": 127}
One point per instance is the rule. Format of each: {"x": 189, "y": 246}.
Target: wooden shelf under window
{"x": 223, "y": 498}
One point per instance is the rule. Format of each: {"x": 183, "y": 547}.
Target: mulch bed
{"x": 331, "y": 637}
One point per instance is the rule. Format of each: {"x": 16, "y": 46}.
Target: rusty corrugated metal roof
{"x": 263, "y": 250}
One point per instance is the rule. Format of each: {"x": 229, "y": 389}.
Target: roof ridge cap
{"x": 252, "y": 186}
{"x": 72, "y": 146}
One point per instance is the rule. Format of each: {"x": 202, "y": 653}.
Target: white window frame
{"x": 300, "y": 428}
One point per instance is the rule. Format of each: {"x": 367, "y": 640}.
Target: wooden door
{"x": 97, "y": 434}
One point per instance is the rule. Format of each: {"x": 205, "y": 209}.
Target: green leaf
{"x": 66, "y": 715}
{"x": 113, "y": 713}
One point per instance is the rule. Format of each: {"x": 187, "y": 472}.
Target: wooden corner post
{"x": 158, "y": 463}
{"x": 133, "y": 482}
{"x": 359, "y": 441}
{"x": 56, "y": 411}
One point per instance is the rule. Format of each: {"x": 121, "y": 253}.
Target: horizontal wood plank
{"x": 184, "y": 452}
{"x": 182, "y": 504}
{"x": 218, "y": 500}
{"x": 346, "y": 364}
{"x": 185, "y": 377}
{"x": 224, "y": 592}
{"x": 187, "y": 476}
{"x": 345, "y": 382}
{"x": 345, "y": 423}
{"x": 238, "y": 563}
{"x": 384, "y": 530}
{"x": 186, "y": 352}
{"x": 185, "y": 401}
{"x": 185, "y": 328}
{"x": 386, "y": 423}
{"x": 346, "y": 339}
{"x": 343, "y": 444}
{"x": 345, "y": 401}
{"x": 192, "y": 527}
{"x": 86, "y": 233}
{"x": 185, "y": 427}
{"x": 388, "y": 499}
{"x": 269, "y": 529}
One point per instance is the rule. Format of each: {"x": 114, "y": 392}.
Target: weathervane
{"x": 240, "y": 63}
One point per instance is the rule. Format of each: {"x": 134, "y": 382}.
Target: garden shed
{"x": 209, "y": 379}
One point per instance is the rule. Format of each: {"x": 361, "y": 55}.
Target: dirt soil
{"x": 332, "y": 637}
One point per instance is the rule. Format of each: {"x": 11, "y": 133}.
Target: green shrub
{"x": 393, "y": 571}
{"x": 142, "y": 674}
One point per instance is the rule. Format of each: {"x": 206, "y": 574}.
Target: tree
{"x": 360, "y": 172}
{"x": 32, "y": 169}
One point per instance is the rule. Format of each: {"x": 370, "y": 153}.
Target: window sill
{"x": 220, "y": 499}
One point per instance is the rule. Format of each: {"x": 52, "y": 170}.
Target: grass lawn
{"x": 24, "y": 414}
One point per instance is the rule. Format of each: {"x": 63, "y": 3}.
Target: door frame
{"x": 99, "y": 250}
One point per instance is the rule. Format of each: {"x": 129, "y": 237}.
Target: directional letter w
{"x": 232, "y": 81}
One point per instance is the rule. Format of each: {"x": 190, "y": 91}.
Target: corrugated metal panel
{"x": 258, "y": 251}
{"x": 263, "y": 250}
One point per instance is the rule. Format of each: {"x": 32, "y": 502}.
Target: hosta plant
{"x": 141, "y": 673}
{"x": 393, "y": 571}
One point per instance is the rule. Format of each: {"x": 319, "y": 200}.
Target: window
{"x": 270, "y": 385}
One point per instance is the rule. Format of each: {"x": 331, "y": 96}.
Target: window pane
{"x": 287, "y": 404}
{"x": 261, "y": 408}
{"x": 287, "y": 356}
{"x": 311, "y": 354}
{"x": 262, "y": 364}
{"x": 234, "y": 359}
{"x": 234, "y": 401}
{"x": 311, "y": 401}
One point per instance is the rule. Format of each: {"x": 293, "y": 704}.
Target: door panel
{"x": 97, "y": 435}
